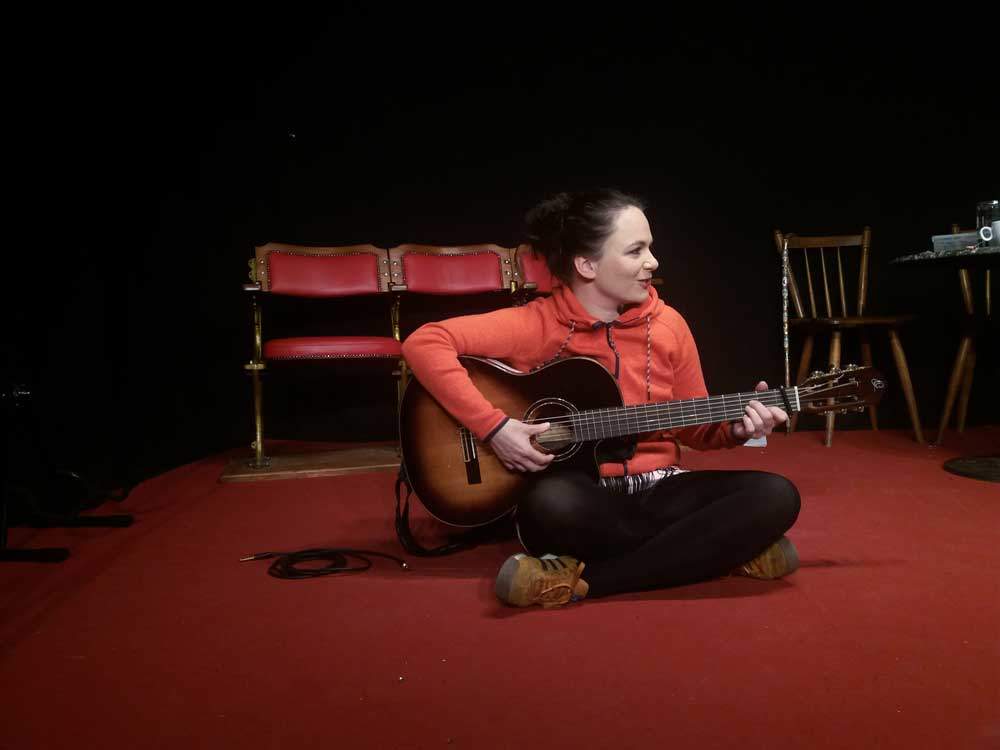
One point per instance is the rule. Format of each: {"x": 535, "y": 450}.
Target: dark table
{"x": 964, "y": 261}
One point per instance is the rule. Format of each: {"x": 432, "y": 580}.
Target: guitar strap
{"x": 490, "y": 532}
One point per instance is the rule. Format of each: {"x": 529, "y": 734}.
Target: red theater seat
{"x": 451, "y": 270}
{"x": 328, "y": 272}
{"x": 281, "y": 269}
{"x": 531, "y": 273}
{"x": 466, "y": 269}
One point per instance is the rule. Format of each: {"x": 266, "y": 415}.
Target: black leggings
{"x": 686, "y": 528}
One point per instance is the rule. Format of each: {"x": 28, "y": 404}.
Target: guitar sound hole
{"x": 559, "y": 438}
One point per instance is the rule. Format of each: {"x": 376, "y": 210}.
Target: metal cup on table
{"x": 988, "y": 223}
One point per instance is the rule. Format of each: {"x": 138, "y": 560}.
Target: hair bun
{"x": 546, "y": 221}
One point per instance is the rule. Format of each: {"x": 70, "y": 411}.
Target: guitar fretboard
{"x": 598, "y": 424}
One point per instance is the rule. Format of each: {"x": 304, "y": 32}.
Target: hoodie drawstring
{"x": 649, "y": 358}
{"x": 611, "y": 343}
{"x": 562, "y": 347}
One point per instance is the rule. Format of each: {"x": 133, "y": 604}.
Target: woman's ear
{"x": 584, "y": 266}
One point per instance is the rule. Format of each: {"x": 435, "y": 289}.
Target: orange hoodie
{"x": 558, "y": 326}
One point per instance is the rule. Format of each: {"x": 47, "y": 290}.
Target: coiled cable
{"x": 287, "y": 564}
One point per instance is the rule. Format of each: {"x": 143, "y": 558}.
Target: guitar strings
{"x": 633, "y": 412}
{"x": 636, "y": 416}
{"x": 687, "y": 408}
{"x": 645, "y": 418}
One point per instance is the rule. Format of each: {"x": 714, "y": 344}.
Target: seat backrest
{"x": 829, "y": 265}
{"x": 531, "y": 271}
{"x": 308, "y": 271}
{"x": 467, "y": 269}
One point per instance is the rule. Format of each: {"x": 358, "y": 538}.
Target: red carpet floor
{"x": 156, "y": 636}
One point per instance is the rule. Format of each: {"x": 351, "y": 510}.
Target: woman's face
{"x": 622, "y": 274}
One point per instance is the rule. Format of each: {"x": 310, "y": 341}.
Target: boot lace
{"x": 552, "y": 587}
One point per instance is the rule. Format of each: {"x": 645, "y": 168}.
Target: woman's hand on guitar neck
{"x": 513, "y": 446}
{"x": 759, "y": 420}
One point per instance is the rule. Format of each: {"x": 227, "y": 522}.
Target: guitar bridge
{"x": 470, "y": 456}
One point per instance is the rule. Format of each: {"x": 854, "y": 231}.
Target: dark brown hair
{"x": 570, "y": 224}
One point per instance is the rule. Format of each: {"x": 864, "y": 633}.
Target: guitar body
{"x": 458, "y": 479}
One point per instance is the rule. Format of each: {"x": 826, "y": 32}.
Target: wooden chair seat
{"x": 851, "y": 321}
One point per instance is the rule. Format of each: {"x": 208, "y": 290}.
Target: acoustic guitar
{"x": 462, "y": 482}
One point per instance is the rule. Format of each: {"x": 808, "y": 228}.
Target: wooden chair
{"x": 824, "y": 262}
{"x": 317, "y": 272}
{"x": 965, "y": 360}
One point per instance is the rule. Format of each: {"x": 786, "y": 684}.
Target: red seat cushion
{"x": 323, "y": 275}
{"x": 332, "y": 347}
{"x": 468, "y": 273}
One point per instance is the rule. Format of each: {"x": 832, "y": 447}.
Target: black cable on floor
{"x": 286, "y": 564}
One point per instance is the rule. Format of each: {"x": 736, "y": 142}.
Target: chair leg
{"x": 866, "y": 359}
{"x": 403, "y": 377}
{"x": 834, "y": 362}
{"x": 957, "y": 371}
{"x": 904, "y": 379}
{"x": 804, "y": 361}
{"x": 963, "y": 398}
{"x": 260, "y": 461}
{"x": 256, "y": 366}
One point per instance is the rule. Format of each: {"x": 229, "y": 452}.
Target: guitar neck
{"x": 599, "y": 424}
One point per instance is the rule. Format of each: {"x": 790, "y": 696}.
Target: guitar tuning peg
{"x": 851, "y": 368}
{"x": 816, "y": 374}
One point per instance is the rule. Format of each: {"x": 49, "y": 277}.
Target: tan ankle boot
{"x": 776, "y": 561}
{"x": 550, "y": 581}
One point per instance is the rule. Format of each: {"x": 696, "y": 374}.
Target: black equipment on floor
{"x": 36, "y": 493}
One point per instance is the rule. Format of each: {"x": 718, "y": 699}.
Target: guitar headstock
{"x": 841, "y": 390}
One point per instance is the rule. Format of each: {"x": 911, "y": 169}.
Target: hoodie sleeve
{"x": 689, "y": 382}
{"x": 432, "y": 353}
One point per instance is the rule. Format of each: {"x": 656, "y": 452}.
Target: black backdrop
{"x": 157, "y": 151}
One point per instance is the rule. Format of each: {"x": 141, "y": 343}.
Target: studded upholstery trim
{"x": 336, "y": 356}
